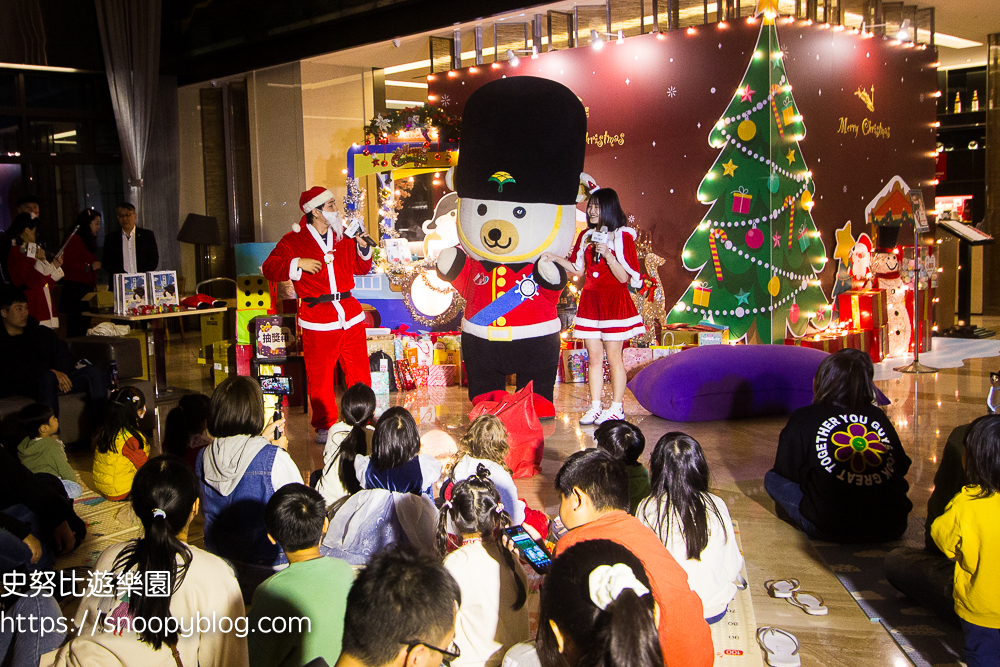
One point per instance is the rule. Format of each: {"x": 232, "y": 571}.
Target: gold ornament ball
{"x": 806, "y": 199}
{"x": 774, "y": 286}
{"x": 747, "y": 130}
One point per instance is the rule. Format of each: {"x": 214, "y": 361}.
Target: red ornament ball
{"x": 437, "y": 156}
{"x": 755, "y": 238}
{"x": 366, "y": 152}
{"x": 384, "y": 163}
{"x": 368, "y": 141}
{"x": 793, "y": 314}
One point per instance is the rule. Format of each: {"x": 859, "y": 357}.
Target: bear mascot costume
{"x": 518, "y": 182}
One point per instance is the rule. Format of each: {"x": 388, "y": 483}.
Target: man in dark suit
{"x": 130, "y": 250}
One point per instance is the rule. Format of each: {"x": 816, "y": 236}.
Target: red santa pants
{"x": 322, "y": 350}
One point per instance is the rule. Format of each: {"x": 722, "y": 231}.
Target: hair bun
{"x": 482, "y": 472}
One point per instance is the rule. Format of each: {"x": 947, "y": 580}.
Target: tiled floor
{"x": 924, "y": 409}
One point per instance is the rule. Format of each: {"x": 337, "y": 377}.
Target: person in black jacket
{"x": 130, "y": 250}
{"x": 840, "y": 469}
{"x": 38, "y": 365}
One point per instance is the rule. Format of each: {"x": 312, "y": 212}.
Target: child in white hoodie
{"x": 238, "y": 473}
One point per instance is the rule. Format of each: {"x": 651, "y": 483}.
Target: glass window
{"x": 10, "y": 135}
{"x": 106, "y": 137}
{"x": 55, "y": 136}
{"x": 8, "y": 89}
{"x": 65, "y": 91}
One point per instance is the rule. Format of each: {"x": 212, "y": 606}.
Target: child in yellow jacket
{"x": 121, "y": 447}
{"x": 969, "y": 532}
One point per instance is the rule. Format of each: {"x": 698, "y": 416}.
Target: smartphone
{"x": 279, "y": 385}
{"x": 536, "y": 554}
{"x": 994, "y": 377}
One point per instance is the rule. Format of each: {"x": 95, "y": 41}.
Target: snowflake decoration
{"x": 445, "y": 100}
{"x": 627, "y": 81}
{"x": 631, "y": 219}
{"x": 382, "y": 123}
{"x": 671, "y": 92}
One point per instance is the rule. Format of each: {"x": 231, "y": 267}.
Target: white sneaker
{"x": 608, "y": 415}
{"x": 321, "y": 434}
{"x": 590, "y": 415}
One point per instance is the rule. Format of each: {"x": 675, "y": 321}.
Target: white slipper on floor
{"x": 781, "y": 648}
{"x": 741, "y": 582}
{"x": 810, "y": 603}
{"x": 781, "y": 588}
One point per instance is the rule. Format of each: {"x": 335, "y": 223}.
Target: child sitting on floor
{"x": 493, "y": 616}
{"x": 396, "y": 463}
{"x": 121, "y": 446}
{"x": 346, "y": 440}
{"x": 969, "y": 532}
{"x": 312, "y": 586}
{"x": 186, "y": 430}
{"x": 624, "y": 441}
{"x": 486, "y": 444}
{"x": 42, "y": 451}
{"x": 693, "y": 524}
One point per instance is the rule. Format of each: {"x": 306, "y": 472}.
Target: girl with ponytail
{"x": 347, "y": 439}
{"x": 125, "y": 620}
{"x": 493, "y": 616}
{"x": 597, "y": 610}
{"x": 121, "y": 447}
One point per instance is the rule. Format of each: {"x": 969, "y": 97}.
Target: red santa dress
{"x": 332, "y": 330}
{"x": 35, "y": 277}
{"x": 606, "y": 310}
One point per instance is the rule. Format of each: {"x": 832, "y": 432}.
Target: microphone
{"x": 598, "y": 237}
{"x": 354, "y": 230}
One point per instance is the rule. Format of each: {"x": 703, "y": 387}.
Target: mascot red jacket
{"x": 517, "y": 200}
{"x": 322, "y": 262}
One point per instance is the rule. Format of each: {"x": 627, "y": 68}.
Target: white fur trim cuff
{"x": 366, "y": 253}
{"x": 317, "y": 201}
{"x": 294, "y": 270}
{"x": 635, "y": 279}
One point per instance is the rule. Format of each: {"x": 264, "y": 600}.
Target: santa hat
{"x": 866, "y": 241}
{"x": 310, "y": 200}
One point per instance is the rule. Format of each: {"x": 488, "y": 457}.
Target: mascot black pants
{"x": 488, "y": 363}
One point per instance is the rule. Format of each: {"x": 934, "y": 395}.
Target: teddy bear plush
{"x": 518, "y": 181}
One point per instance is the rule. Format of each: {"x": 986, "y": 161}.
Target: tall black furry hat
{"x": 523, "y": 140}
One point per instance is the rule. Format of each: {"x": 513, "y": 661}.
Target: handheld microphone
{"x": 354, "y": 230}
{"x": 598, "y": 237}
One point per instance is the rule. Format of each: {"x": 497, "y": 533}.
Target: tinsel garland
{"x": 422, "y": 118}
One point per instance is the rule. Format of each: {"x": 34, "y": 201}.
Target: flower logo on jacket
{"x": 863, "y": 448}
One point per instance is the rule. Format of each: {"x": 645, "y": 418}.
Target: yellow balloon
{"x": 806, "y": 199}
{"x": 747, "y": 130}
{"x": 774, "y": 286}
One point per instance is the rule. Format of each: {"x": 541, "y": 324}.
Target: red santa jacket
{"x": 479, "y": 284}
{"x": 341, "y": 261}
{"x": 34, "y": 276}
{"x": 598, "y": 274}
{"x": 77, "y": 261}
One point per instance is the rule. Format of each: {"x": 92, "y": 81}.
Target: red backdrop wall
{"x": 652, "y": 101}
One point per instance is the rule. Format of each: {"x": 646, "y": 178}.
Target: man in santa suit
{"x": 322, "y": 262}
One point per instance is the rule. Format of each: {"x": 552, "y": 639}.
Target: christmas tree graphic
{"x": 757, "y": 252}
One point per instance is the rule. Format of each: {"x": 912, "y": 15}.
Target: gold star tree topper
{"x": 769, "y": 8}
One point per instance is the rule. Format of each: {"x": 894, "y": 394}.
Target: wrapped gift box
{"x": 863, "y": 309}
{"x": 381, "y": 344}
{"x": 926, "y": 299}
{"x": 925, "y": 336}
{"x": 245, "y": 324}
{"x": 660, "y": 351}
{"x": 574, "y": 365}
{"x": 274, "y": 335}
{"x": 420, "y": 375}
{"x": 694, "y": 334}
{"x": 635, "y": 359}
{"x": 875, "y": 342}
{"x": 441, "y": 375}
{"x": 826, "y": 342}
{"x": 741, "y": 201}
{"x": 380, "y": 383}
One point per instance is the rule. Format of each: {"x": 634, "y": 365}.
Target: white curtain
{"x": 130, "y": 36}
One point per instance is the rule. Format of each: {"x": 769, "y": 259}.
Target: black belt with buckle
{"x": 326, "y": 298}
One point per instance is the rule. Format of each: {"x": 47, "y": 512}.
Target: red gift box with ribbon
{"x": 741, "y": 201}
{"x": 826, "y": 342}
{"x": 441, "y": 375}
{"x": 863, "y": 309}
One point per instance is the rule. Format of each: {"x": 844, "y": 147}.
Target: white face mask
{"x": 33, "y": 216}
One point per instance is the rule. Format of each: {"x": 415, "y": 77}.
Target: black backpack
{"x": 375, "y": 364}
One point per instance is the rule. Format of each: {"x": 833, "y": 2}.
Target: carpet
{"x": 107, "y": 522}
{"x": 945, "y": 353}
{"x": 926, "y": 639}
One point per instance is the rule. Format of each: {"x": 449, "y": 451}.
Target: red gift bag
{"x": 517, "y": 412}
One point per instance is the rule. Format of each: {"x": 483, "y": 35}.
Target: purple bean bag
{"x": 728, "y": 382}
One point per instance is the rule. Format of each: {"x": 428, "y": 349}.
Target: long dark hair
{"x": 20, "y": 222}
{"x": 83, "y": 227}
{"x": 845, "y": 378}
{"x": 190, "y": 417}
{"x": 679, "y": 487}
{"x": 982, "y": 455}
{"x": 612, "y": 215}
{"x": 122, "y": 416}
{"x": 396, "y": 439}
{"x": 475, "y": 507}
{"x": 164, "y": 492}
{"x": 623, "y": 633}
{"x": 357, "y": 408}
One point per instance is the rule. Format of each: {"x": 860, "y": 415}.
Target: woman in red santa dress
{"x": 606, "y": 316}
{"x": 322, "y": 263}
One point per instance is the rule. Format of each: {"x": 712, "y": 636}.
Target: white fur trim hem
{"x": 617, "y": 335}
{"x": 607, "y": 324}
{"x": 635, "y": 279}
{"x": 316, "y": 201}
{"x": 332, "y": 326}
{"x": 516, "y": 333}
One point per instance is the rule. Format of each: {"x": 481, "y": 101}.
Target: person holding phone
{"x": 606, "y": 316}
{"x": 493, "y": 616}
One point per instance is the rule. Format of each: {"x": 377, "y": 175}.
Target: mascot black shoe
{"x": 518, "y": 182}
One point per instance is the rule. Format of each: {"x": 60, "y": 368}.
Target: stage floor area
{"x": 924, "y": 410}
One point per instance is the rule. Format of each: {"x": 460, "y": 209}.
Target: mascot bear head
{"x": 519, "y": 170}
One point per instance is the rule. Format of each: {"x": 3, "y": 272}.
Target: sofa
{"x": 74, "y": 423}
